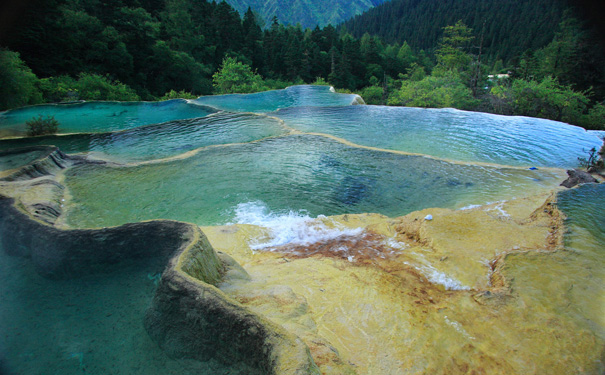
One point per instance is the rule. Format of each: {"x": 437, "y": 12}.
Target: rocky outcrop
{"x": 577, "y": 177}
{"x": 61, "y": 254}
{"x": 190, "y": 318}
{"x": 51, "y": 160}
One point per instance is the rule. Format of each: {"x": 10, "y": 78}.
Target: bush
{"x": 172, "y": 94}
{"x": 96, "y": 87}
{"x": 548, "y": 99}
{"x": 319, "y": 81}
{"x": 86, "y": 87}
{"x": 42, "y": 126}
{"x": 372, "y": 95}
{"x": 595, "y": 161}
{"x": 595, "y": 119}
{"x": 434, "y": 92}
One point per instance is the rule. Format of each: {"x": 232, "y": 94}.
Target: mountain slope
{"x": 308, "y": 13}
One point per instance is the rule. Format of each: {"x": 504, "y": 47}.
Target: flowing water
{"x": 278, "y": 159}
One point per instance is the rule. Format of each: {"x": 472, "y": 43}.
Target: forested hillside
{"x": 507, "y": 28}
{"x": 309, "y": 13}
{"x": 64, "y": 50}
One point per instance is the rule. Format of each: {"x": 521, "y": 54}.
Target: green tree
{"x": 452, "y": 53}
{"x": 176, "y": 70}
{"x": 236, "y": 77}
{"x": 18, "y": 85}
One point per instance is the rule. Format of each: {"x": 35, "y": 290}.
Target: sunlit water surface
{"x": 291, "y": 173}
{"x": 450, "y": 133}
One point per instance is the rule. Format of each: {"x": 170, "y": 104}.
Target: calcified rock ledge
{"x": 189, "y": 317}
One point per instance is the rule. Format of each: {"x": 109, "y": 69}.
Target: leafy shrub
{"x": 595, "y": 119}
{"x": 42, "y": 126}
{"x": 372, "y": 95}
{"x": 548, "y": 99}
{"x": 97, "y": 87}
{"x": 86, "y": 87}
{"x": 319, "y": 81}
{"x": 444, "y": 91}
{"x": 172, "y": 94}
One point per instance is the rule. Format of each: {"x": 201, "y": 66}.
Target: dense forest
{"x": 62, "y": 50}
{"x": 507, "y": 28}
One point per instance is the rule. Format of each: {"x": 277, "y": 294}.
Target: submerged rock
{"x": 577, "y": 177}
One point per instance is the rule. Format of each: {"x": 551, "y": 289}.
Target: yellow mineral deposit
{"x": 456, "y": 292}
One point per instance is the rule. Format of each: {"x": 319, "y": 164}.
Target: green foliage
{"x": 172, "y": 94}
{"x": 594, "y": 161}
{"x": 236, "y": 77}
{"x": 595, "y": 118}
{"x": 278, "y": 84}
{"x": 42, "y": 126}
{"x": 373, "y": 95}
{"x": 96, "y": 87}
{"x": 86, "y": 87}
{"x": 571, "y": 57}
{"x": 443, "y": 91}
{"x": 176, "y": 70}
{"x": 319, "y": 81}
{"x": 18, "y": 85}
{"x": 511, "y": 27}
{"x": 452, "y": 53}
{"x": 548, "y": 99}
{"x": 59, "y": 89}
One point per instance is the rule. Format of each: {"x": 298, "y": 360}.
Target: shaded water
{"x": 89, "y": 325}
{"x": 230, "y": 164}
